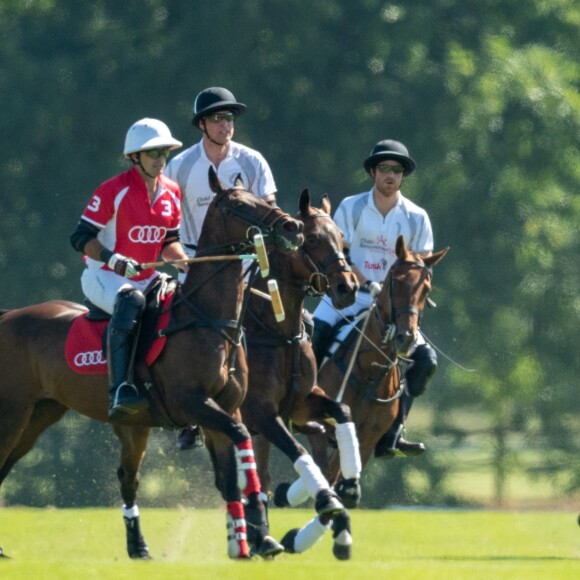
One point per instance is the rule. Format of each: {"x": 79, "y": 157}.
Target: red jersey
{"x": 130, "y": 225}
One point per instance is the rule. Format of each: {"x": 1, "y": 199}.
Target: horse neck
{"x": 216, "y": 288}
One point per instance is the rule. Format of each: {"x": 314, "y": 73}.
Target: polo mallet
{"x": 262, "y": 254}
{"x": 193, "y": 260}
{"x": 274, "y": 297}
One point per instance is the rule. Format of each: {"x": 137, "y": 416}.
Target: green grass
{"x": 76, "y": 544}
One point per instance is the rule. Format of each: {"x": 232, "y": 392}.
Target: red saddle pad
{"x": 83, "y": 348}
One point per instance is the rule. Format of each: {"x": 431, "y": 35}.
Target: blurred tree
{"x": 483, "y": 92}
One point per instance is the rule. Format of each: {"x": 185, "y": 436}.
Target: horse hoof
{"x": 342, "y": 547}
{"x": 349, "y": 492}
{"x": 140, "y": 556}
{"x": 3, "y": 555}
{"x": 327, "y": 503}
{"x": 269, "y": 548}
{"x": 281, "y": 495}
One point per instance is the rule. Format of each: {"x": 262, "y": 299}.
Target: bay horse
{"x": 364, "y": 370}
{"x": 200, "y": 377}
{"x": 282, "y": 387}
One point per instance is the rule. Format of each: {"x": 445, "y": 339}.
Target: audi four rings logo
{"x": 147, "y": 234}
{"x": 87, "y": 359}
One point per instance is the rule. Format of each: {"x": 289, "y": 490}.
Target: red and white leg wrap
{"x": 237, "y": 533}
{"x": 248, "y": 480}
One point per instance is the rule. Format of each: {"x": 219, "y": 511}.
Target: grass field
{"x": 77, "y": 544}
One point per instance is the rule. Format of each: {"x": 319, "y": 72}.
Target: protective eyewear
{"x": 157, "y": 153}
{"x": 385, "y": 168}
{"x": 219, "y": 117}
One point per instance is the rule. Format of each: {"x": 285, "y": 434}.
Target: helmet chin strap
{"x": 138, "y": 162}
{"x": 204, "y": 131}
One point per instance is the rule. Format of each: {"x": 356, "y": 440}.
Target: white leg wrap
{"x": 309, "y": 535}
{"x": 130, "y": 512}
{"x": 311, "y": 475}
{"x": 348, "y": 448}
{"x": 297, "y": 493}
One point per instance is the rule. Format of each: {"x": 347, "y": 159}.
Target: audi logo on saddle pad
{"x": 85, "y": 359}
{"x": 147, "y": 234}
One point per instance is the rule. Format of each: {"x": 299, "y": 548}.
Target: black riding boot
{"x": 392, "y": 444}
{"x": 322, "y": 338}
{"x": 124, "y": 398}
{"x": 417, "y": 375}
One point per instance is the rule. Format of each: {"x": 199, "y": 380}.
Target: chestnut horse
{"x": 363, "y": 371}
{"x": 281, "y": 388}
{"x": 200, "y": 377}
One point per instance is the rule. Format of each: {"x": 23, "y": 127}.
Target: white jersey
{"x": 372, "y": 236}
{"x": 190, "y": 169}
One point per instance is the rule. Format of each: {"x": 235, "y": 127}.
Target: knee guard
{"x": 421, "y": 370}
{"x": 129, "y": 306}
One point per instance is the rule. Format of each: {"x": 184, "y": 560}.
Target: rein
{"x": 388, "y": 333}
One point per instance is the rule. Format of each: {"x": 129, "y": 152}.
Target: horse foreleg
{"x": 133, "y": 443}
{"x": 235, "y": 469}
{"x": 318, "y": 405}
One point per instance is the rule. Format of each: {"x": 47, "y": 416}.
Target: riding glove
{"x": 123, "y": 266}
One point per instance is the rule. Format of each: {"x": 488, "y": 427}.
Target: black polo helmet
{"x": 389, "y": 149}
{"x": 215, "y": 99}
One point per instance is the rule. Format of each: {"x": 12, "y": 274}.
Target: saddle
{"x": 85, "y": 345}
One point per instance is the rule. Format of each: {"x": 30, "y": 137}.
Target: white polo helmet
{"x": 149, "y": 134}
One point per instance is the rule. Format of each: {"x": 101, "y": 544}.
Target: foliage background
{"x": 485, "y": 95}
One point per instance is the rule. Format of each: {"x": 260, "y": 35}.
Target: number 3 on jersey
{"x": 167, "y": 207}
{"x": 94, "y": 204}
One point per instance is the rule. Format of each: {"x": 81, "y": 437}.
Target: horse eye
{"x": 312, "y": 240}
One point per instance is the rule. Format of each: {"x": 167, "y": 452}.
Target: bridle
{"x": 265, "y": 224}
{"x": 395, "y": 313}
{"x": 318, "y": 282}
{"x": 389, "y": 329}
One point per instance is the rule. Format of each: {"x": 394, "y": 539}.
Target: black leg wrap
{"x": 260, "y": 542}
{"x": 136, "y": 545}
{"x": 342, "y": 546}
{"x": 281, "y": 495}
{"x": 349, "y": 492}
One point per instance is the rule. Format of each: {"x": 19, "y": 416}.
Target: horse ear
{"x": 401, "y": 248}
{"x": 433, "y": 259}
{"x": 239, "y": 182}
{"x": 304, "y": 204}
{"x": 325, "y": 204}
{"x": 214, "y": 183}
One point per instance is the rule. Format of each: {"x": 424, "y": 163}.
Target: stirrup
{"x": 128, "y": 403}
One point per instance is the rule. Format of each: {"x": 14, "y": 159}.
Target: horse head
{"x": 404, "y": 294}
{"x": 254, "y": 214}
{"x": 322, "y": 253}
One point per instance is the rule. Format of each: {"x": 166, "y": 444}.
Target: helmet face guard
{"x": 215, "y": 99}
{"x": 149, "y": 134}
{"x": 389, "y": 149}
